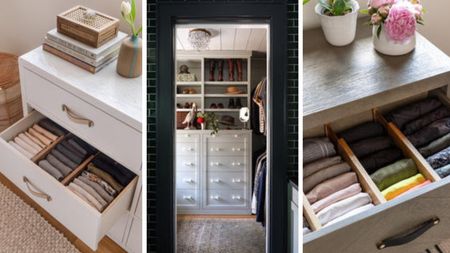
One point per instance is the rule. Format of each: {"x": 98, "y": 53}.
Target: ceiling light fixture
{"x": 199, "y": 38}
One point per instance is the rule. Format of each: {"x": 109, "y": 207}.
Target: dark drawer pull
{"x": 408, "y": 236}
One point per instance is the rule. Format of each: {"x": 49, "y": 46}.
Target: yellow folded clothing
{"x": 396, "y": 189}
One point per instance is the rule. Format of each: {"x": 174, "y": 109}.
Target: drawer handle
{"x": 187, "y": 135}
{"x": 75, "y": 118}
{"x": 188, "y": 180}
{"x": 216, "y": 149}
{"x": 189, "y": 148}
{"x": 215, "y": 197}
{"x": 408, "y": 236}
{"x": 36, "y": 193}
{"x": 235, "y": 136}
{"x": 216, "y": 164}
{"x": 236, "y": 149}
{"x": 236, "y": 164}
{"x": 189, "y": 164}
{"x": 187, "y": 197}
{"x": 236, "y": 180}
{"x": 217, "y": 180}
{"x": 237, "y": 197}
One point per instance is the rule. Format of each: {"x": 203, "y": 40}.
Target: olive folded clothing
{"x": 331, "y": 186}
{"x": 362, "y": 131}
{"x": 324, "y": 174}
{"x": 337, "y": 196}
{"x": 311, "y": 168}
{"x": 342, "y": 207}
{"x": 427, "y": 182}
{"x": 394, "y": 173}
{"x": 368, "y": 146}
{"x": 430, "y": 133}
{"x": 395, "y": 190}
{"x": 439, "y": 159}
{"x": 317, "y": 148}
{"x": 443, "y": 171}
{"x": 435, "y": 146}
{"x": 410, "y": 112}
{"x": 374, "y": 161}
{"x": 105, "y": 176}
{"x": 353, "y": 212}
{"x": 417, "y": 124}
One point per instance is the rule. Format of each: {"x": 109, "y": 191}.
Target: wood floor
{"x": 106, "y": 245}
{"x": 213, "y": 216}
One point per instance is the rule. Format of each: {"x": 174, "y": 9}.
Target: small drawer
{"x": 187, "y": 148}
{"x": 108, "y": 134}
{"x": 224, "y": 136}
{"x": 186, "y": 163}
{"x": 187, "y": 137}
{"x": 227, "y": 180}
{"x": 187, "y": 199}
{"x": 75, "y": 214}
{"x": 226, "y": 148}
{"x": 224, "y": 199}
{"x": 229, "y": 163}
{"x": 187, "y": 180}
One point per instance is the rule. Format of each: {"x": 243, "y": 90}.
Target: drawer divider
{"x": 43, "y": 153}
{"x": 310, "y": 216}
{"x": 77, "y": 171}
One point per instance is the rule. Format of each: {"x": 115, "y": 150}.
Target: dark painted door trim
{"x": 275, "y": 14}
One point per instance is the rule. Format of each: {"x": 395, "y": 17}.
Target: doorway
{"x": 274, "y": 15}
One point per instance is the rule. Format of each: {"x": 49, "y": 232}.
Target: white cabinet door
{"x": 134, "y": 243}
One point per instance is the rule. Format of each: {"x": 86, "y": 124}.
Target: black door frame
{"x": 169, "y": 14}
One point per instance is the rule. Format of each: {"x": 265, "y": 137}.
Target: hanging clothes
{"x": 259, "y": 102}
{"x": 260, "y": 163}
{"x": 261, "y": 195}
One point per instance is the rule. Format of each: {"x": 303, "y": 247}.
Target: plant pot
{"x": 129, "y": 63}
{"x": 339, "y": 30}
{"x": 389, "y": 47}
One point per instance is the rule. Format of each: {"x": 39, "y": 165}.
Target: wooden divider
{"x": 310, "y": 216}
{"x": 408, "y": 149}
{"x": 77, "y": 171}
{"x": 364, "y": 179}
{"x": 43, "y": 153}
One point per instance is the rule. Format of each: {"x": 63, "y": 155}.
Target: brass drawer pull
{"x": 36, "y": 193}
{"x": 75, "y": 118}
{"x": 408, "y": 236}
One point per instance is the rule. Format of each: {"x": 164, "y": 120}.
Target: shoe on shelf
{"x": 213, "y": 106}
{"x": 238, "y": 103}
{"x": 220, "y": 106}
{"x": 231, "y": 103}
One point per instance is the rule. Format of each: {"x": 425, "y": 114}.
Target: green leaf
{"x": 138, "y": 31}
{"x": 378, "y": 31}
{"x": 325, "y": 5}
{"x": 366, "y": 12}
{"x": 339, "y": 7}
{"x": 133, "y": 10}
{"x": 305, "y": 2}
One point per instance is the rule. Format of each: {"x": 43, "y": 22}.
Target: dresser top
{"x": 117, "y": 96}
{"x": 336, "y": 76}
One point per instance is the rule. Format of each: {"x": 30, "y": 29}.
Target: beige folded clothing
{"x": 331, "y": 186}
{"x": 21, "y": 150}
{"x": 30, "y": 142}
{"x": 337, "y": 196}
{"x": 35, "y": 140}
{"x": 40, "y": 137}
{"x": 324, "y": 174}
{"x": 311, "y": 168}
{"x": 25, "y": 146}
{"x": 88, "y": 196}
{"x": 342, "y": 207}
{"x": 351, "y": 213}
{"x": 45, "y": 132}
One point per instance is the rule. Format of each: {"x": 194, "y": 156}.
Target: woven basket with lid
{"x": 10, "y": 98}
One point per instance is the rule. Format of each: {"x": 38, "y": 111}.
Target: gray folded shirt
{"x": 44, "y": 164}
{"x": 61, "y": 157}
{"x": 64, "y": 169}
{"x": 91, "y": 191}
{"x": 97, "y": 187}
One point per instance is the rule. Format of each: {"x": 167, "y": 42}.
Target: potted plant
{"x": 338, "y": 19}
{"x": 210, "y": 120}
{"x": 394, "y": 25}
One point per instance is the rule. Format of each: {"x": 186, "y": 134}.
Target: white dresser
{"x": 105, "y": 110}
{"x": 213, "y": 172}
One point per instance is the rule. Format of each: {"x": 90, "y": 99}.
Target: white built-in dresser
{"x": 105, "y": 110}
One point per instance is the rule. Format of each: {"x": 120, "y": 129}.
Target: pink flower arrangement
{"x": 397, "y": 17}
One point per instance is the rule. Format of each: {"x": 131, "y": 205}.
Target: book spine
{"x": 71, "y": 52}
{"x": 69, "y": 58}
{"x": 71, "y": 46}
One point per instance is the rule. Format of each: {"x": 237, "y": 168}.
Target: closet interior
{"x": 221, "y": 125}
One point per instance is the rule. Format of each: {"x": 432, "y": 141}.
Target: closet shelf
{"x": 189, "y": 83}
{"x": 189, "y": 95}
{"x": 226, "y": 83}
{"x": 224, "y": 95}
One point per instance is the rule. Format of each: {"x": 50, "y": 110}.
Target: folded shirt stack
{"x": 330, "y": 185}
{"x": 101, "y": 182}
{"x": 389, "y": 170}
{"x": 426, "y": 124}
{"x": 66, "y": 156}
{"x": 37, "y": 138}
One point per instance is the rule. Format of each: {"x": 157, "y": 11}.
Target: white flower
{"x": 125, "y": 8}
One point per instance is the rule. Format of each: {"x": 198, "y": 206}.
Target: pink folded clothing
{"x": 324, "y": 174}
{"x": 330, "y": 186}
{"x": 415, "y": 188}
{"x": 311, "y": 168}
{"x": 337, "y": 196}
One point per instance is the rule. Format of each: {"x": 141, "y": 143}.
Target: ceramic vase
{"x": 339, "y": 30}
{"x": 388, "y": 47}
{"x": 129, "y": 62}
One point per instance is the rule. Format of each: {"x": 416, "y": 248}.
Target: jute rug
{"x": 22, "y": 229}
{"x": 220, "y": 236}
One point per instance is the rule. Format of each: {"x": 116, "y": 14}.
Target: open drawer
{"x": 75, "y": 214}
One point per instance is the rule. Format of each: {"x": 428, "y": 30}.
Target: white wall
{"x": 436, "y": 18}
{"x": 24, "y": 23}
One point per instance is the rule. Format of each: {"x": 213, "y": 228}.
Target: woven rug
{"x": 23, "y": 229}
{"x": 220, "y": 236}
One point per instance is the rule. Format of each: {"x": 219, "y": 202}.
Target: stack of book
{"x": 87, "y": 57}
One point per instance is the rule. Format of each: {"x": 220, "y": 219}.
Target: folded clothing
{"x": 87, "y": 197}
{"x": 311, "y": 168}
{"x": 427, "y": 182}
{"x": 30, "y": 142}
{"x": 371, "y": 145}
{"x": 350, "y": 214}
{"x": 64, "y": 169}
{"x": 417, "y": 124}
{"x": 97, "y": 187}
{"x": 443, "y": 171}
{"x": 94, "y": 178}
{"x": 119, "y": 172}
{"x": 26, "y": 146}
{"x": 306, "y": 230}
{"x": 342, "y": 207}
{"x": 440, "y": 159}
{"x": 21, "y": 150}
{"x": 331, "y": 186}
{"x": 105, "y": 176}
{"x": 81, "y": 145}
{"x": 410, "y": 112}
{"x": 44, "y": 132}
{"x": 430, "y": 133}
{"x": 395, "y": 190}
{"x": 380, "y": 159}
{"x": 394, "y": 173}
{"x": 52, "y": 127}
{"x": 317, "y": 148}
{"x": 39, "y": 136}
{"x": 74, "y": 157}
{"x": 362, "y": 131}
{"x": 54, "y": 172}
{"x": 91, "y": 191}
{"x": 337, "y": 196}
{"x": 435, "y": 146}
{"x": 324, "y": 174}
{"x": 61, "y": 157}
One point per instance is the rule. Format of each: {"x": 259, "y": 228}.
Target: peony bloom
{"x": 375, "y": 19}
{"x": 125, "y": 8}
{"x": 379, "y": 3}
{"x": 400, "y": 24}
{"x": 383, "y": 11}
